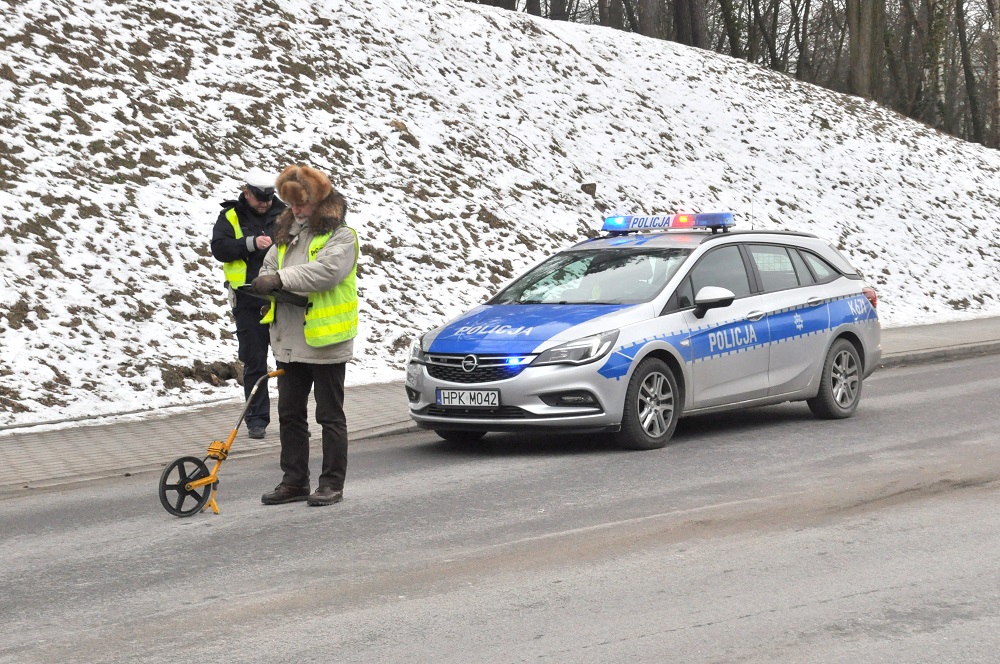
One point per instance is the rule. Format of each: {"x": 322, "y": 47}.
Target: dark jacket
{"x": 225, "y": 246}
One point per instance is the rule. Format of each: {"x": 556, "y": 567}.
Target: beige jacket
{"x": 299, "y": 275}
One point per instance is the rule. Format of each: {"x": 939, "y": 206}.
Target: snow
{"x": 462, "y": 137}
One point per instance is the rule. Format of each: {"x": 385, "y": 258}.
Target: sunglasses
{"x": 262, "y": 195}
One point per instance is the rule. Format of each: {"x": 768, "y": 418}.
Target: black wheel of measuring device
{"x": 174, "y": 497}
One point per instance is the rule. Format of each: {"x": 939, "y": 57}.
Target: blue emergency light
{"x": 635, "y": 224}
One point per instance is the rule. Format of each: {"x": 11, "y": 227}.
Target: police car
{"x": 657, "y": 318}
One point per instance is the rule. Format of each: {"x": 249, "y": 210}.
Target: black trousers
{"x": 254, "y": 342}
{"x": 293, "y": 395}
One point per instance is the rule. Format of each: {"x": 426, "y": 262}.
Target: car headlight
{"x": 580, "y": 351}
{"x": 417, "y": 349}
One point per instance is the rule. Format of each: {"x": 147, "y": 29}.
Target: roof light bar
{"x": 635, "y": 224}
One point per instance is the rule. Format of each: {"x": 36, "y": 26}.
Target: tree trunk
{"x": 732, "y": 28}
{"x": 978, "y": 135}
{"x": 766, "y": 35}
{"x": 928, "y": 108}
{"x": 865, "y": 19}
{"x": 558, "y": 10}
{"x": 633, "y": 20}
{"x": 993, "y": 58}
{"x": 649, "y": 18}
{"x": 689, "y": 23}
{"x": 800, "y": 29}
{"x": 616, "y": 14}
{"x": 904, "y": 67}
{"x": 534, "y": 7}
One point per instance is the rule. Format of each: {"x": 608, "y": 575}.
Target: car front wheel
{"x": 840, "y": 386}
{"x": 651, "y": 407}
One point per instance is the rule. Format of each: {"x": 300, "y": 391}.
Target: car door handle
{"x": 755, "y": 316}
{"x": 813, "y": 301}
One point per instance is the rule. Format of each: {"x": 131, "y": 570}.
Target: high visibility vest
{"x": 331, "y": 316}
{"x": 236, "y": 271}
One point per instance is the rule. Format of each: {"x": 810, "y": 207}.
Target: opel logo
{"x": 469, "y": 363}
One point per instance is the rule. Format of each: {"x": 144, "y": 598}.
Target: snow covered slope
{"x": 467, "y": 140}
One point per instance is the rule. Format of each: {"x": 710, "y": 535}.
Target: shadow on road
{"x": 523, "y": 444}
{"x": 734, "y": 422}
{"x": 744, "y": 423}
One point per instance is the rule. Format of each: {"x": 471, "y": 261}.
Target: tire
{"x": 651, "y": 407}
{"x": 840, "y": 385}
{"x": 460, "y": 436}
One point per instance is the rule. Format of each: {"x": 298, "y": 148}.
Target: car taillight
{"x": 869, "y": 292}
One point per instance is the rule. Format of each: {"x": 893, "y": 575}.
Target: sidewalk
{"x": 83, "y": 452}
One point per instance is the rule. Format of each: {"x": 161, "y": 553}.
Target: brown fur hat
{"x": 301, "y": 185}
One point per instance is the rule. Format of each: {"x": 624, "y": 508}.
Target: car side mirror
{"x": 712, "y": 297}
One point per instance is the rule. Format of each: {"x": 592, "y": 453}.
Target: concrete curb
{"x": 957, "y": 352}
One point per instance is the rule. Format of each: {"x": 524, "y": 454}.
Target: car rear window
{"x": 823, "y": 270}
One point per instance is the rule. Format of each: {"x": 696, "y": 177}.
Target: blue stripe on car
{"x": 853, "y": 309}
{"x": 617, "y": 364}
{"x": 778, "y": 327}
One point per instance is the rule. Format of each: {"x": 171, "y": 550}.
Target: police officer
{"x": 242, "y": 235}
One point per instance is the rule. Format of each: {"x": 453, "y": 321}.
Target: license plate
{"x": 469, "y": 398}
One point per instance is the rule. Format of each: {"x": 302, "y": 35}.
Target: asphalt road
{"x": 759, "y": 536}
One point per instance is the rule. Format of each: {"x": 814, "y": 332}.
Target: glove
{"x": 266, "y": 284}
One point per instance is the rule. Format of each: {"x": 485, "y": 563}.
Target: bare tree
{"x": 649, "y": 18}
{"x": 731, "y": 21}
{"x": 971, "y": 89}
{"x": 993, "y": 66}
{"x": 689, "y": 23}
{"x": 865, "y": 19}
{"x": 799, "y": 32}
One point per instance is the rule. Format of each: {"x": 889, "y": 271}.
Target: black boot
{"x": 284, "y": 493}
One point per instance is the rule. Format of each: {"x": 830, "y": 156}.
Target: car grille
{"x": 488, "y": 369}
{"x": 501, "y": 413}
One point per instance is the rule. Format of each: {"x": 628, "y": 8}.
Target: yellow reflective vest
{"x": 236, "y": 271}
{"x": 331, "y": 316}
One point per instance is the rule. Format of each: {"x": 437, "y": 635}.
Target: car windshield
{"x": 605, "y": 276}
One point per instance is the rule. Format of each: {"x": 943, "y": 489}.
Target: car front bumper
{"x": 527, "y": 401}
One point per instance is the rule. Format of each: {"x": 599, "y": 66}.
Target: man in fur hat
{"x": 240, "y": 239}
{"x": 314, "y": 254}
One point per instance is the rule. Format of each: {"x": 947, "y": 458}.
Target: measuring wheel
{"x": 174, "y": 497}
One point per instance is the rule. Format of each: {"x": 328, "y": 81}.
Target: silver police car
{"x": 658, "y": 318}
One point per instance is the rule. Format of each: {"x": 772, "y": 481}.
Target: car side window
{"x": 722, "y": 267}
{"x": 685, "y": 294}
{"x": 824, "y": 271}
{"x": 682, "y": 298}
{"x": 805, "y": 276}
{"x": 775, "y": 267}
